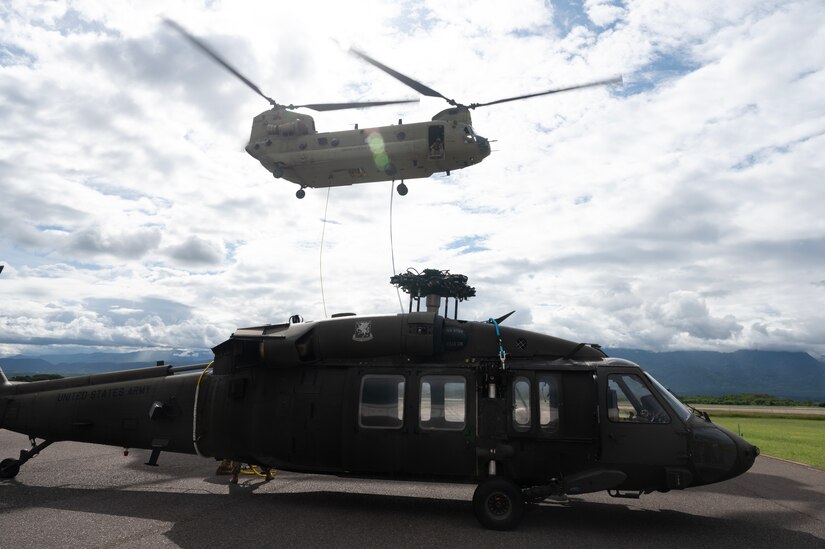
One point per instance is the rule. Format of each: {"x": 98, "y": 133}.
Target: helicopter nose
{"x": 746, "y": 454}
{"x": 719, "y": 454}
{"x": 483, "y": 146}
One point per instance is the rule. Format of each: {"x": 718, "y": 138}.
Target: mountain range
{"x": 785, "y": 374}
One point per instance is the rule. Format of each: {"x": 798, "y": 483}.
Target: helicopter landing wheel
{"x": 498, "y": 504}
{"x": 301, "y": 193}
{"x": 9, "y": 468}
{"x": 402, "y": 189}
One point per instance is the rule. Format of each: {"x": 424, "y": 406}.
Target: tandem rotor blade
{"x": 314, "y": 106}
{"x": 218, "y": 59}
{"x": 614, "y": 80}
{"x": 414, "y": 84}
{"x": 353, "y": 105}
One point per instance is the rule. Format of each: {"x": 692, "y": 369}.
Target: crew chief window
{"x": 549, "y": 404}
{"x": 521, "y": 404}
{"x": 442, "y": 405}
{"x": 381, "y": 402}
{"x": 629, "y": 400}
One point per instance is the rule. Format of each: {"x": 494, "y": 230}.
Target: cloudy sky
{"x": 683, "y": 210}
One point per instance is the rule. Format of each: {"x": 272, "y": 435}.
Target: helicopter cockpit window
{"x": 381, "y": 403}
{"x": 469, "y": 136}
{"x": 521, "y": 404}
{"x": 442, "y": 404}
{"x": 549, "y": 404}
{"x": 629, "y": 400}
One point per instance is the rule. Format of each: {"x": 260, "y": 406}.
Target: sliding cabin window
{"x": 443, "y": 403}
{"x": 521, "y": 404}
{"x": 549, "y": 404}
{"x": 381, "y": 402}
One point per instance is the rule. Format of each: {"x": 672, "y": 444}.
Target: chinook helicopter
{"x": 287, "y": 144}
{"x": 418, "y": 395}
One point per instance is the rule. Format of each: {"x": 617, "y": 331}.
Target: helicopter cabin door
{"x": 409, "y": 423}
{"x": 376, "y": 422}
{"x": 640, "y": 432}
{"x": 442, "y": 424}
{"x": 435, "y": 141}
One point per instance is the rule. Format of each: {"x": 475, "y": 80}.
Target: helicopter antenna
{"x": 201, "y": 45}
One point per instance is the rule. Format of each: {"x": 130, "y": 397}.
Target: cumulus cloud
{"x": 685, "y": 312}
{"x": 196, "y": 251}
{"x": 678, "y": 211}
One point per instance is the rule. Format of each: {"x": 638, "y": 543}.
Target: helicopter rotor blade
{"x": 614, "y": 80}
{"x": 217, "y": 58}
{"x": 414, "y": 84}
{"x": 354, "y": 105}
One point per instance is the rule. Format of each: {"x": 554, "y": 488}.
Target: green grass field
{"x": 801, "y": 440}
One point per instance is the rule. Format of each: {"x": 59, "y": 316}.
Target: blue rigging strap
{"x": 502, "y": 354}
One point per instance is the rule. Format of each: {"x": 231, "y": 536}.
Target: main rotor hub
{"x": 433, "y": 284}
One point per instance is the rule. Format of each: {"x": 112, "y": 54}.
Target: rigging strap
{"x": 502, "y": 354}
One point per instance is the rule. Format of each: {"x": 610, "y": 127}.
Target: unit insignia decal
{"x": 363, "y": 331}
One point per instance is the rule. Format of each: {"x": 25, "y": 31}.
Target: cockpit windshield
{"x": 680, "y": 409}
{"x": 469, "y": 136}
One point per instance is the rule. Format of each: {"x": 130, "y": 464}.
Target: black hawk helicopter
{"x": 287, "y": 144}
{"x": 417, "y": 395}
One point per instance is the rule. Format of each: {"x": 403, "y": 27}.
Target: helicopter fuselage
{"x": 286, "y": 144}
{"x": 406, "y": 396}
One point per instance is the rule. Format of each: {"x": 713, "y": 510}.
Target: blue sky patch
{"x": 468, "y": 244}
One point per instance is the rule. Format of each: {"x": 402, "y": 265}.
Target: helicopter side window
{"x": 629, "y": 400}
{"x": 469, "y": 137}
{"x": 442, "y": 403}
{"x": 549, "y": 404}
{"x": 381, "y": 403}
{"x": 521, "y": 404}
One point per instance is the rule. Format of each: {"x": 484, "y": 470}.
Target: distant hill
{"x": 780, "y": 373}
{"x": 93, "y": 363}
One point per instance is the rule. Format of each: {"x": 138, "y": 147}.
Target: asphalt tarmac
{"x": 83, "y": 495}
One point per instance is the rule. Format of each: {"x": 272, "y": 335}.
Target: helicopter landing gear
{"x": 300, "y": 193}
{"x": 9, "y": 467}
{"x": 402, "y": 189}
{"x": 498, "y": 503}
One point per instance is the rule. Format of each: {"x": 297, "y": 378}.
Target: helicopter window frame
{"x": 520, "y": 400}
{"x": 549, "y": 403}
{"x": 435, "y": 413}
{"x": 630, "y": 400}
{"x": 384, "y": 407}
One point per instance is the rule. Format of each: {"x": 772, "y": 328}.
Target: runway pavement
{"x": 81, "y": 495}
